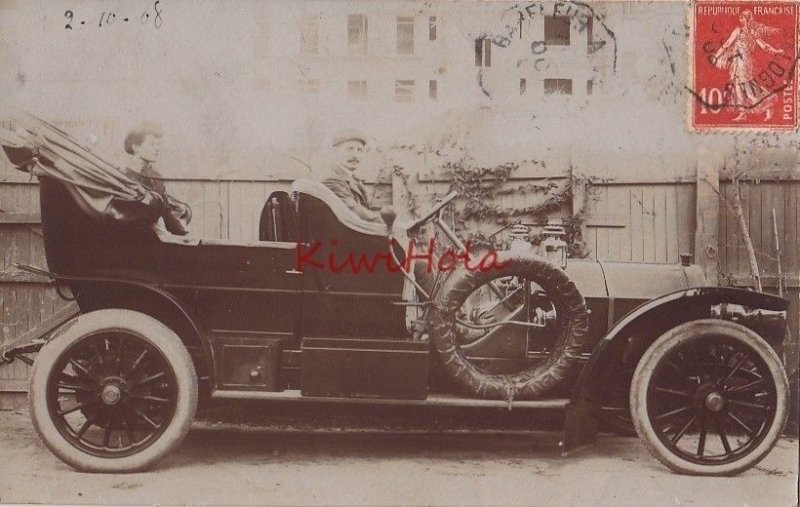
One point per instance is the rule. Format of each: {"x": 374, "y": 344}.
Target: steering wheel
{"x": 433, "y": 212}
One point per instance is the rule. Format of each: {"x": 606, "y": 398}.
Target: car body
{"x": 245, "y": 320}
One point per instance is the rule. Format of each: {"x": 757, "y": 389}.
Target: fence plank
{"x": 649, "y": 215}
{"x": 672, "y": 233}
{"x": 626, "y": 236}
{"x": 602, "y": 251}
{"x": 771, "y": 196}
{"x": 791, "y": 220}
{"x": 726, "y": 253}
{"x": 618, "y": 239}
{"x": 20, "y": 218}
{"x": 12, "y": 386}
{"x": 687, "y": 197}
{"x": 659, "y": 223}
{"x": 755, "y": 211}
{"x": 637, "y": 224}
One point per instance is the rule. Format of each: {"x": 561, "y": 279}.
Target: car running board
{"x": 438, "y": 400}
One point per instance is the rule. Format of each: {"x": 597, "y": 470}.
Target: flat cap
{"x": 348, "y": 135}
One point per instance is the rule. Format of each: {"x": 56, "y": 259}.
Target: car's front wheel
{"x": 709, "y": 397}
{"x": 114, "y": 392}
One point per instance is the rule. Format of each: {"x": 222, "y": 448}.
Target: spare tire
{"x": 532, "y": 383}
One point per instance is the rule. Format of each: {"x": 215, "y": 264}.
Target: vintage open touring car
{"x": 692, "y": 368}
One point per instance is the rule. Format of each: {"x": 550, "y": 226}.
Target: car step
{"x": 436, "y": 400}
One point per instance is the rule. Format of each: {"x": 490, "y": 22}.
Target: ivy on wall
{"x": 481, "y": 190}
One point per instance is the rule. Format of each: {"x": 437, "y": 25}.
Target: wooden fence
{"x": 759, "y": 199}
{"x": 641, "y": 222}
{"x": 627, "y": 221}
{"x": 27, "y": 303}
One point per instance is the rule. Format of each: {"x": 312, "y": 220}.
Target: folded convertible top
{"x": 99, "y": 187}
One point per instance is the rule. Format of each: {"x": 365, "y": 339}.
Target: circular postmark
{"x": 534, "y": 36}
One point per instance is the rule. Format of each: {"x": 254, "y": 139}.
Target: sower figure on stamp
{"x": 143, "y": 146}
{"x": 738, "y": 55}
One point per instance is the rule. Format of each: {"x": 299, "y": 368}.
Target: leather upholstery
{"x": 344, "y": 214}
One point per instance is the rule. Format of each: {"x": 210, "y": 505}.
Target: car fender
{"x": 665, "y": 312}
{"x": 92, "y": 294}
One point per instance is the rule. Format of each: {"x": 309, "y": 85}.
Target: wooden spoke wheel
{"x": 709, "y": 398}
{"x": 114, "y": 392}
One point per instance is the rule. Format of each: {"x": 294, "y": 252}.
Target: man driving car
{"x": 345, "y": 157}
{"x": 347, "y": 148}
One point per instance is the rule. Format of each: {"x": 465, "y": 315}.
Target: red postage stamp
{"x": 744, "y": 65}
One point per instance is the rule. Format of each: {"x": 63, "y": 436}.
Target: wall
{"x": 241, "y": 104}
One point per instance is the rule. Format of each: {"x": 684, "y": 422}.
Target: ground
{"x": 230, "y": 463}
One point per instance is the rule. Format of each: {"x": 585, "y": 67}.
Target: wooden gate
{"x": 29, "y": 306}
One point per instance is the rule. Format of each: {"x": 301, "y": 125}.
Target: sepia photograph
{"x": 399, "y": 252}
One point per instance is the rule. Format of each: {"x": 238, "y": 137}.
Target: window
{"x": 432, "y": 28}
{"x": 589, "y": 86}
{"x": 405, "y": 36}
{"x": 403, "y": 91}
{"x": 483, "y": 52}
{"x": 558, "y": 86}
{"x": 523, "y": 85}
{"x": 357, "y": 90}
{"x": 357, "y": 34}
{"x": 589, "y": 33}
{"x": 432, "y": 89}
{"x": 309, "y": 34}
{"x": 556, "y": 30}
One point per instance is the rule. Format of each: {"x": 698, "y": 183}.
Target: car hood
{"x": 631, "y": 280}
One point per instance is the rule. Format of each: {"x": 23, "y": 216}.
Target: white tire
{"x": 727, "y": 411}
{"x": 156, "y": 396}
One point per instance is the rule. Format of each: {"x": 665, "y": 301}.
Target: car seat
{"x": 324, "y": 218}
{"x": 277, "y": 221}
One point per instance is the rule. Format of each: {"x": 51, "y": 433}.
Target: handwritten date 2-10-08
{"x": 108, "y": 18}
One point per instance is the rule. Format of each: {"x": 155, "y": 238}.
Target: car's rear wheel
{"x": 709, "y": 398}
{"x": 461, "y": 323}
{"x": 114, "y": 392}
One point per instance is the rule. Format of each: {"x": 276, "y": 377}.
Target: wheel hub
{"x": 714, "y": 401}
{"x": 111, "y": 394}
